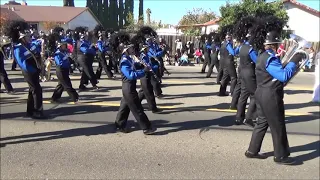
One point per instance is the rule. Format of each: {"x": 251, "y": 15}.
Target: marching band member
{"x": 61, "y": 59}
{"x": 271, "y": 76}
{"x": 23, "y": 53}
{"x": 206, "y": 52}
{"x": 85, "y": 55}
{"x": 102, "y": 53}
{"x": 146, "y": 91}
{"x": 130, "y": 100}
{"x": 3, "y": 74}
{"x": 215, "y": 47}
{"x": 153, "y": 54}
{"x": 248, "y": 59}
{"x": 227, "y": 62}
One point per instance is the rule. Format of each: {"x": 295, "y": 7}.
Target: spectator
{"x": 184, "y": 59}
{"x": 198, "y": 55}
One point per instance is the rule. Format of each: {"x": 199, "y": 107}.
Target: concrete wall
{"x": 84, "y": 19}
{"x": 303, "y": 23}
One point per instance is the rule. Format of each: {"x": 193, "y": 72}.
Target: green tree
{"x": 230, "y": 13}
{"x": 140, "y": 18}
{"x": 68, "y": 3}
{"x": 196, "y": 16}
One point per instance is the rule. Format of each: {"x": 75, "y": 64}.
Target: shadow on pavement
{"x": 314, "y": 147}
{"x": 291, "y": 92}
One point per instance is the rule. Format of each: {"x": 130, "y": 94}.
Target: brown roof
{"x": 212, "y": 22}
{"x": 9, "y": 15}
{"x": 46, "y": 13}
{"x": 303, "y": 7}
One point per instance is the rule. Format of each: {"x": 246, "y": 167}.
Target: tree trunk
{"x": 112, "y": 13}
{"x": 140, "y": 11}
{"x": 126, "y": 12}
{"x": 71, "y": 3}
{"x": 65, "y": 2}
{"x": 121, "y": 14}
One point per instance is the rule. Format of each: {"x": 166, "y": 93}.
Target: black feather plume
{"x": 68, "y": 31}
{"x": 119, "y": 38}
{"x": 138, "y": 41}
{"x": 77, "y": 31}
{"x": 146, "y": 30}
{"x": 224, "y": 30}
{"x": 52, "y": 43}
{"x": 12, "y": 29}
{"x": 241, "y": 28}
{"x": 57, "y": 29}
{"x": 203, "y": 37}
{"x": 97, "y": 29}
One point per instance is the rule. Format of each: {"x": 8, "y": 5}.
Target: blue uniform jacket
{"x": 36, "y": 46}
{"x": 67, "y": 40}
{"x": 145, "y": 58}
{"x": 101, "y": 46}
{"x": 276, "y": 70}
{"x": 22, "y": 55}
{"x": 85, "y": 48}
{"x": 230, "y": 48}
{"x": 154, "y": 50}
{"x": 61, "y": 59}
{"x": 128, "y": 70}
{"x": 208, "y": 46}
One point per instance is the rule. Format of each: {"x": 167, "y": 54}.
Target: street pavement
{"x": 195, "y": 138}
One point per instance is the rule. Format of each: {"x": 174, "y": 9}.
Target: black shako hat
{"x": 273, "y": 37}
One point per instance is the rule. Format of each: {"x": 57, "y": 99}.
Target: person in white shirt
{"x": 316, "y": 88}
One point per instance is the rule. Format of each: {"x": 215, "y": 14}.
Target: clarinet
{"x": 145, "y": 64}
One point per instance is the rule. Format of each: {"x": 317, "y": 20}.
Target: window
{"x": 34, "y": 26}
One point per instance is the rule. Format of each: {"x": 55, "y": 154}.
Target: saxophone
{"x": 136, "y": 59}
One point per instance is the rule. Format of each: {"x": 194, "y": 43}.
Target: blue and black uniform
{"x": 31, "y": 74}
{"x": 214, "y": 59}
{"x": 85, "y": 56}
{"x": 3, "y": 74}
{"x": 61, "y": 59}
{"x": 130, "y": 100}
{"x": 206, "y": 52}
{"x": 271, "y": 76}
{"x": 102, "y": 49}
{"x": 227, "y": 54}
{"x": 154, "y": 52}
{"x": 248, "y": 59}
{"x": 146, "y": 91}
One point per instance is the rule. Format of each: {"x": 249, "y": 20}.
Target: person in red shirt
{"x": 281, "y": 51}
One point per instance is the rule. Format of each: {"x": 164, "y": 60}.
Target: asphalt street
{"x": 195, "y": 138}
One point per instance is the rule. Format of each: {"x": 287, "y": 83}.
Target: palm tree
{"x": 148, "y": 16}
{"x": 68, "y": 3}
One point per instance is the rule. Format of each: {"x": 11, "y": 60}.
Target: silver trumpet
{"x": 297, "y": 46}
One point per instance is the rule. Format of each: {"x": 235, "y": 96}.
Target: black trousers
{"x": 228, "y": 70}
{"x": 236, "y": 92}
{"x": 86, "y": 61}
{"x": 220, "y": 73}
{"x": 4, "y": 77}
{"x": 34, "y": 102}
{"x": 214, "y": 62}
{"x": 103, "y": 66}
{"x": 64, "y": 84}
{"x": 161, "y": 67}
{"x": 270, "y": 111}
{"x": 146, "y": 92}
{"x": 131, "y": 102}
{"x": 156, "y": 85}
{"x": 114, "y": 62}
{"x": 206, "y": 62}
{"x": 14, "y": 64}
{"x": 248, "y": 88}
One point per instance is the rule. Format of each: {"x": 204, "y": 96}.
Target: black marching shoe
{"x": 248, "y": 122}
{"x": 157, "y": 110}
{"x": 284, "y": 160}
{"x": 251, "y": 155}
{"x": 149, "y": 131}
{"x": 238, "y": 122}
{"x": 12, "y": 92}
{"x": 121, "y": 129}
{"x": 38, "y": 115}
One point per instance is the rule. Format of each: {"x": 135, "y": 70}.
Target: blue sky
{"x": 169, "y": 11}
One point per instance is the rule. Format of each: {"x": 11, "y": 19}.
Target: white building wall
{"x": 210, "y": 28}
{"x": 84, "y": 19}
{"x": 303, "y": 23}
